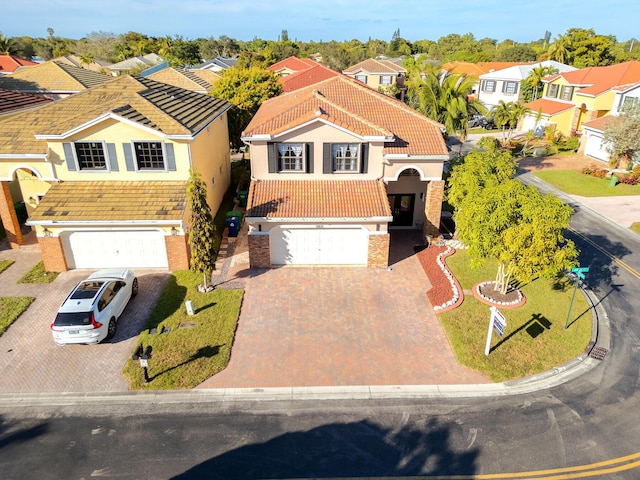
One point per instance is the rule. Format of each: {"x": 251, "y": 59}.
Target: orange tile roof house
{"x": 377, "y": 73}
{"x": 53, "y": 80}
{"x": 295, "y": 73}
{"x": 10, "y": 63}
{"x": 291, "y": 65}
{"x": 572, "y": 99}
{"x": 103, "y": 173}
{"x": 334, "y": 166}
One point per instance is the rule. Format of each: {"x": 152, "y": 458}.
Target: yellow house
{"x": 572, "y": 99}
{"x": 103, "y": 173}
{"x": 377, "y": 73}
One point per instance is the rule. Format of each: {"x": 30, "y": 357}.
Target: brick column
{"x": 378, "y": 251}
{"x": 53, "y": 254}
{"x": 433, "y": 207}
{"x": 9, "y": 217}
{"x": 177, "y": 252}
{"x": 259, "y": 252}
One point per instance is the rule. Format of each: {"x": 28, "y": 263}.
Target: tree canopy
{"x": 499, "y": 217}
{"x": 621, "y": 136}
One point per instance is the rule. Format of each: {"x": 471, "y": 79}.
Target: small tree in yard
{"x": 501, "y": 218}
{"x": 622, "y": 136}
{"x": 202, "y": 233}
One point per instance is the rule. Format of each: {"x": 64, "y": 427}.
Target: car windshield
{"x": 86, "y": 290}
{"x": 74, "y": 319}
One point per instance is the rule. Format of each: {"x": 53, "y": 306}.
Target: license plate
{"x": 74, "y": 332}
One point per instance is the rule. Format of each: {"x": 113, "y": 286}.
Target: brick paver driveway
{"x": 341, "y": 326}
{"x": 30, "y": 362}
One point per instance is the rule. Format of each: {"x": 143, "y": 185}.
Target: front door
{"x": 402, "y": 209}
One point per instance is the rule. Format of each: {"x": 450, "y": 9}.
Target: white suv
{"x": 90, "y": 313}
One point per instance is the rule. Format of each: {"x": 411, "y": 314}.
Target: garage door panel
{"x": 131, "y": 249}
{"x": 319, "y": 246}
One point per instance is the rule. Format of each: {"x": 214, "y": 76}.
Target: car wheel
{"x": 112, "y": 328}
{"x": 134, "y": 287}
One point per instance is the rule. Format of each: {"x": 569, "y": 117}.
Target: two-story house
{"x": 334, "y": 166}
{"x": 200, "y": 81}
{"x": 377, "y": 73}
{"x": 573, "y": 98}
{"x": 504, "y": 84}
{"x": 104, "y": 173}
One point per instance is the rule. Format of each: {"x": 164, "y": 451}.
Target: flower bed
{"x": 445, "y": 293}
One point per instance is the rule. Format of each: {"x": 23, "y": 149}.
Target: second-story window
{"x": 566, "y": 93}
{"x": 489, "y": 86}
{"x": 510, "y": 88}
{"x": 346, "y": 157}
{"x": 90, "y": 156}
{"x": 385, "y": 79}
{"x": 291, "y": 157}
{"x": 361, "y": 78}
{"x": 149, "y": 155}
{"x": 552, "y": 90}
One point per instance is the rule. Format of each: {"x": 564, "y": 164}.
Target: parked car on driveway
{"x": 91, "y": 311}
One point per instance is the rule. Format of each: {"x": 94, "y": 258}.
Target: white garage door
{"x": 594, "y": 147}
{"x": 319, "y": 246}
{"x": 131, "y": 249}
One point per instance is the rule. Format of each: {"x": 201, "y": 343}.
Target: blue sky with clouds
{"x": 318, "y": 20}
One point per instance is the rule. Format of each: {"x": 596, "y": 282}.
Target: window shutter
{"x": 364, "y": 160}
{"x": 309, "y": 153}
{"x": 171, "y": 158}
{"x": 327, "y": 161}
{"x": 113, "y": 159}
{"x": 272, "y": 157}
{"x": 68, "y": 155}
{"x": 128, "y": 157}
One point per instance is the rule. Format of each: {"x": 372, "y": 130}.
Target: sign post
{"x": 579, "y": 271}
{"x": 498, "y": 323}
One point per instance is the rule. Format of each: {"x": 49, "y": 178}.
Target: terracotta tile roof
{"x": 293, "y": 63}
{"x": 548, "y": 107}
{"x": 317, "y": 199}
{"x": 9, "y": 63}
{"x": 53, "y": 77}
{"x": 194, "y": 80}
{"x": 347, "y": 103}
{"x": 169, "y": 110}
{"x": 304, "y": 78}
{"x": 11, "y": 101}
{"x": 112, "y": 201}
{"x": 373, "y": 65}
{"x": 597, "y": 80}
{"x": 599, "y": 123}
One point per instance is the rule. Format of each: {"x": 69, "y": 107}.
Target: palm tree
{"x": 443, "y": 97}
{"x": 560, "y": 49}
{"x": 507, "y": 115}
{"x": 6, "y": 46}
{"x": 86, "y": 58}
{"x": 535, "y": 78}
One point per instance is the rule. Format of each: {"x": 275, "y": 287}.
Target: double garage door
{"x": 128, "y": 248}
{"x": 319, "y": 246}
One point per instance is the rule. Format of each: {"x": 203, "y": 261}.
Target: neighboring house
{"x": 94, "y": 65}
{"x": 10, "y": 63}
{"x": 377, "y": 73}
{"x": 135, "y": 64}
{"x": 52, "y": 79}
{"x": 217, "y": 65}
{"x": 474, "y": 70}
{"x": 505, "y": 84}
{"x": 291, "y": 65}
{"x": 304, "y": 78}
{"x": 333, "y": 166}
{"x": 104, "y": 173}
{"x": 571, "y": 99}
{"x": 12, "y": 102}
{"x": 200, "y": 81}
{"x": 593, "y": 131}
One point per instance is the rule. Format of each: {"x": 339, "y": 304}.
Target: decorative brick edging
{"x": 488, "y": 301}
{"x": 456, "y": 290}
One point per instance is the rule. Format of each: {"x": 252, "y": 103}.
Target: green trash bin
{"x": 242, "y": 197}
{"x": 614, "y": 181}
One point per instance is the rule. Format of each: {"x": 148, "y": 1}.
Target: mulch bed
{"x": 445, "y": 293}
{"x": 487, "y": 295}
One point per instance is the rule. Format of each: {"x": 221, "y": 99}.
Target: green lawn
{"x": 11, "y": 308}
{"x": 576, "y": 183}
{"x": 4, "y": 264}
{"x": 38, "y": 275}
{"x": 535, "y": 339}
{"x": 185, "y": 357}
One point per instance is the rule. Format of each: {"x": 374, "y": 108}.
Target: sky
{"x": 320, "y": 20}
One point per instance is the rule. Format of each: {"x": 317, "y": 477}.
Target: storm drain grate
{"x": 598, "y": 353}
